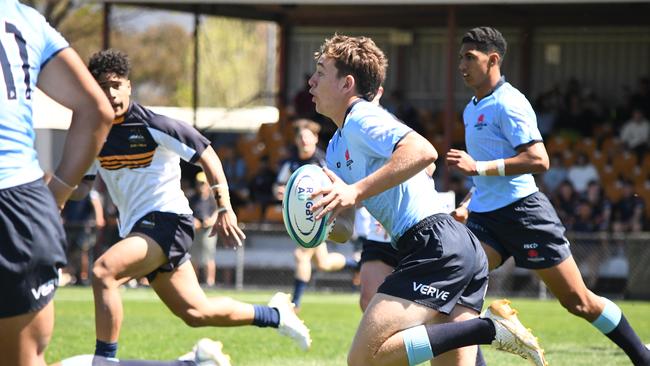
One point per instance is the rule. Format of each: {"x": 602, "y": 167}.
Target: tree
{"x": 159, "y": 54}
{"x": 82, "y": 27}
{"x": 159, "y": 59}
{"x": 54, "y": 11}
{"x": 232, "y": 67}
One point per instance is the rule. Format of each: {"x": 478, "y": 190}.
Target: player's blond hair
{"x": 359, "y": 57}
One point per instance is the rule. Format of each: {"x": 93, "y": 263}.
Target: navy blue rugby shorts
{"x": 174, "y": 233}
{"x": 528, "y": 230}
{"x": 378, "y": 251}
{"x": 441, "y": 265}
{"x": 32, "y": 248}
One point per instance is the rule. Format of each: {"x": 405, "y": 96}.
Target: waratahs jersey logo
{"x": 480, "y": 122}
{"x": 348, "y": 159}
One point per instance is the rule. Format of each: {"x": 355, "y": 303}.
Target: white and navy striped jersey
{"x": 495, "y": 127}
{"x": 140, "y": 164}
{"x": 27, "y": 43}
{"x": 364, "y": 144}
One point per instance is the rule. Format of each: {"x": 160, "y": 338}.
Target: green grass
{"x": 150, "y": 331}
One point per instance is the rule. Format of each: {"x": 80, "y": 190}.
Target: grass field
{"x": 151, "y": 331}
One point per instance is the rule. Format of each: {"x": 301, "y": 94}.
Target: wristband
{"x": 491, "y": 167}
{"x": 221, "y": 209}
{"x": 219, "y": 185}
{"x": 481, "y": 167}
{"x": 501, "y": 167}
{"x": 72, "y": 188}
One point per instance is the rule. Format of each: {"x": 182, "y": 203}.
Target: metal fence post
{"x": 239, "y": 267}
{"x": 541, "y": 290}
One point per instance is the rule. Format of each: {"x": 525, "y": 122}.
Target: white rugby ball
{"x": 299, "y": 219}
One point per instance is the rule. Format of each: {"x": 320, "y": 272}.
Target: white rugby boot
{"x": 511, "y": 335}
{"x": 210, "y": 353}
{"x": 290, "y": 325}
{"x": 207, "y": 352}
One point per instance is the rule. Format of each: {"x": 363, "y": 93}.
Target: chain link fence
{"x": 615, "y": 265}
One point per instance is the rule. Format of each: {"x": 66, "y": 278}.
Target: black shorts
{"x": 32, "y": 248}
{"x": 528, "y": 230}
{"x": 441, "y": 264}
{"x": 378, "y": 251}
{"x": 174, "y": 233}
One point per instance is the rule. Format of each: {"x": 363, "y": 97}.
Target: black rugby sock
{"x": 447, "y": 336}
{"x": 266, "y": 316}
{"x": 105, "y": 349}
{"x": 625, "y": 337}
{"x": 299, "y": 287}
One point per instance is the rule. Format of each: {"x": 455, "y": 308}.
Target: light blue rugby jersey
{"x": 494, "y": 128}
{"x": 27, "y": 42}
{"x": 364, "y": 144}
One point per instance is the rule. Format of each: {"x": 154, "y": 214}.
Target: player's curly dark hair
{"x": 486, "y": 39}
{"x": 359, "y": 57}
{"x": 109, "y": 61}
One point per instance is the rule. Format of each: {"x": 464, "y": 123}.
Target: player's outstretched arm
{"x": 226, "y": 226}
{"x": 66, "y": 79}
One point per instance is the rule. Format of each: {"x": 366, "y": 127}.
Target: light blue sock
{"x": 609, "y": 318}
{"x": 416, "y": 342}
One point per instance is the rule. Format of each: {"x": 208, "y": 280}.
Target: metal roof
{"x": 415, "y": 13}
{"x": 372, "y": 2}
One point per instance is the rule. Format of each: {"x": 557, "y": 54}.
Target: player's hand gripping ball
{"x": 299, "y": 219}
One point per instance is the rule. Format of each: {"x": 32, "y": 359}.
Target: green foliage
{"x": 158, "y": 61}
{"x": 82, "y": 27}
{"x": 159, "y": 54}
{"x": 151, "y": 331}
{"x": 232, "y": 63}
{"x": 54, "y": 11}
{"x": 232, "y": 54}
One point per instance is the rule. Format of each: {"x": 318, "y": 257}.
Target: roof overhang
{"x": 372, "y": 2}
{"x": 415, "y": 13}
{"x": 48, "y": 114}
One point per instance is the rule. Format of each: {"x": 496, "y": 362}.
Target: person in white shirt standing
{"x": 636, "y": 132}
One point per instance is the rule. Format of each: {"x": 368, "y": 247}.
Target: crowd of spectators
{"x": 599, "y": 180}
{"x": 600, "y": 158}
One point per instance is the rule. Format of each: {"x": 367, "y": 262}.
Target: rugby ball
{"x": 299, "y": 220}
